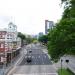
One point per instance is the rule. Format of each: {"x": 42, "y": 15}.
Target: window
{"x": 1, "y": 45}
{"x": 1, "y": 35}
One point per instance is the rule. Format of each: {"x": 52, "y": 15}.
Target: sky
{"x": 29, "y": 15}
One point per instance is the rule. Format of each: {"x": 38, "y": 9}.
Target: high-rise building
{"x": 40, "y": 34}
{"x": 48, "y": 25}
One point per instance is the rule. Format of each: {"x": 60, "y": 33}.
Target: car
{"x": 30, "y": 51}
{"x": 29, "y": 59}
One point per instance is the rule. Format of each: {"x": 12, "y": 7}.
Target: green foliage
{"x": 55, "y": 44}
{"x": 61, "y": 39}
{"x": 43, "y": 39}
{"x": 28, "y": 40}
{"x": 21, "y": 35}
{"x": 69, "y": 11}
{"x": 65, "y": 72}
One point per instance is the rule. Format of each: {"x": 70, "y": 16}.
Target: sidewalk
{"x": 20, "y": 58}
{"x": 14, "y": 66}
{"x": 7, "y": 68}
{"x": 70, "y": 65}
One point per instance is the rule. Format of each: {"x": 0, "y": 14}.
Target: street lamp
{"x": 67, "y": 61}
{"x": 61, "y": 66}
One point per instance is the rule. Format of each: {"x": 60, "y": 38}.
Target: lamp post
{"x": 61, "y": 66}
{"x": 67, "y": 61}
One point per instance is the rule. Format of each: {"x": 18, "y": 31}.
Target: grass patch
{"x": 65, "y": 72}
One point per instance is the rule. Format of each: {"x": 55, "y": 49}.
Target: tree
{"x": 43, "y": 39}
{"x": 62, "y": 37}
{"x": 69, "y": 9}
{"x": 29, "y": 39}
{"x": 22, "y": 36}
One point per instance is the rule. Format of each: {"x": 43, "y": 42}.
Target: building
{"x": 40, "y": 34}
{"x": 48, "y": 25}
{"x": 34, "y": 36}
{"x": 9, "y": 43}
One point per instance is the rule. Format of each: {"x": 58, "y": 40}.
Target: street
{"x": 40, "y": 64}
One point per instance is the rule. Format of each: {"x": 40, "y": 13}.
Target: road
{"x": 40, "y": 65}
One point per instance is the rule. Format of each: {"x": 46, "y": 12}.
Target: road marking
{"x": 39, "y": 56}
{"x": 32, "y": 56}
{"x": 36, "y": 57}
{"x": 43, "y": 63}
{"x": 35, "y": 62}
{"x": 38, "y": 74}
{"x": 45, "y": 56}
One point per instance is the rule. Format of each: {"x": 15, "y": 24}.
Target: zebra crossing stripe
{"x": 38, "y": 74}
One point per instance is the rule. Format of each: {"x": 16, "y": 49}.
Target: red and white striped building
{"x": 9, "y": 43}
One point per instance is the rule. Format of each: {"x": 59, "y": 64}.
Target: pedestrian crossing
{"x": 36, "y": 59}
{"x": 38, "y": 74}
{"x": 39, "y": 56}
{"x": 40, "y": 64}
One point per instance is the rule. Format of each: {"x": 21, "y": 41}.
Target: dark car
{"x": 30, "y": 51}
{"x": 29, "y": 59}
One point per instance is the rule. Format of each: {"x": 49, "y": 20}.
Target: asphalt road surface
{"x": 40, "y": 64}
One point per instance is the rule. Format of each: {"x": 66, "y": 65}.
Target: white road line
{"x": 35, "y": 62}
{"x": 39, "y": 56}
{"x": 36, "y": 57}
{"x": 43, "y": 63}
{"x": 38, "y": 74}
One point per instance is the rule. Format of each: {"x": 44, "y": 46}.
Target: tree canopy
{"x": 43, "y": 39}
{"x": 62, "y": 37}
{"x": 21, "y": 35}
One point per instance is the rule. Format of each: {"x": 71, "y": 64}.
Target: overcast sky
{"x": 29, "y": 15}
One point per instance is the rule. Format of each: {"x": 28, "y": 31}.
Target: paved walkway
{"x": 5, "y": 70}
{"x": 20, "y": 58}
{"x": 70, "y": 65}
